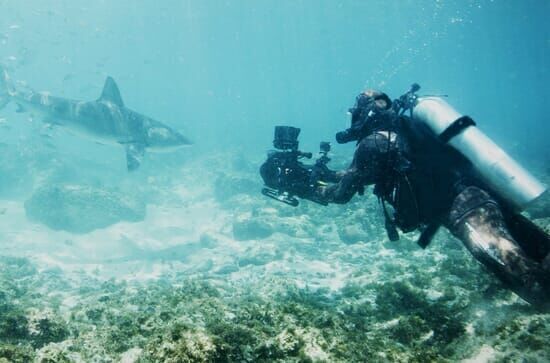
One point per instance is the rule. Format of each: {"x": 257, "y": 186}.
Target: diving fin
{"x": 134, "y": 155}
{"x": 428, "y": 234}
{"x": 532, "y": 239}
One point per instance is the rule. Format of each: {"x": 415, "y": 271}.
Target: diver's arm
{"x": 361, "y": 172}
{"x": 341, "y": 192}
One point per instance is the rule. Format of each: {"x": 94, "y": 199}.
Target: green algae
{"x": 47, "y": 329}
{"x": 16, "y": 353}
{"x": 208, "y": 319}
{"x": 13, "y": 325}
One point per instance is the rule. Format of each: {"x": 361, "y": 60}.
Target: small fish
{"x": 4, "y": 124}
{"x": 67, "y": 60}
{"x": 68, "y": 77}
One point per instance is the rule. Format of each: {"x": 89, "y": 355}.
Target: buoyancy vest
{"x": 421, "y": 182}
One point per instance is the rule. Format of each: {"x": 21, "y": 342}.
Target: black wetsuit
{"x": 429, "y": 183}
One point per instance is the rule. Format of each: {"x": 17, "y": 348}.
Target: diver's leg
{"x": 476, "y": 219}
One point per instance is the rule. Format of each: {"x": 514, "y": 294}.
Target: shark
{"x": 105, "y": 120}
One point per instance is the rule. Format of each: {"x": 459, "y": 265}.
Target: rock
{"x": 226, "y": 187}
{"x": 259, "y": 256}
{"x": 15, "y": 267}
{"x": 248, "y": 229}
{"x": 351, "y": 234}
{"x": 131, "y": 355}
{"x": 227, "y": 269}
{"x": 81, "y": 209}
{"x": 202, "y": 267}
{"x": 206, "y": 240}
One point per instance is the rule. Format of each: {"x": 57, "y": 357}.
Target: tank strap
{"x": 456, "y": 128}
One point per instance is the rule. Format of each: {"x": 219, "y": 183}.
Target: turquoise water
{"x": 183, "y": 259}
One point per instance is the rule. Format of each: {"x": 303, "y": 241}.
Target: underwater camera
{"x": 285, "y": 176}
{"x": 286, "y": 138}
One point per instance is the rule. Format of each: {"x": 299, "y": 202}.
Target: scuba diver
{"x": 430, "y": 167}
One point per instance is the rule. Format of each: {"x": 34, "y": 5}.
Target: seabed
{"x": 205, "y": 269}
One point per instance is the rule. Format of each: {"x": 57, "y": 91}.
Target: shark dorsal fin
{"x": 111, "y": 93}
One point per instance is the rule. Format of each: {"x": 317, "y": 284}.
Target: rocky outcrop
{"x": 81, "y": 209}
{"x": 248, "y": 229}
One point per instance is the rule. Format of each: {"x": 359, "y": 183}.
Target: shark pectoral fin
{"x": 111, "y": 93}
{"x": 134, "y": 155}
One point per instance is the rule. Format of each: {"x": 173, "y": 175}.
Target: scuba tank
{"x": 502, "y": 174}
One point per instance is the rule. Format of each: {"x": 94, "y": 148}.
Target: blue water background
{"x": 226, "y": 72}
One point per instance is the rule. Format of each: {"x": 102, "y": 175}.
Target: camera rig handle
{"x": 280, "y": 196}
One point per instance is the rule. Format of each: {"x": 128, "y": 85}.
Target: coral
{"x": 45, "y": 328}
{"x": 15, "y": 268}
{"x": 397, "y": 298}
{"x": 444, "y": 320}
{"x": 285, "y": 344}
{"x": 195, "y": 319}
{"x": 409, "y": 329}
{"x": 16, "y": 353}
{"x": 53, "y": 354}
{"x": 528, "y": 334}
{"x": 191, "y": 347}
{"x": 13, "y": 325}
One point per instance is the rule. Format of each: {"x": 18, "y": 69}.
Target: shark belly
{"x": 67, "y": 114}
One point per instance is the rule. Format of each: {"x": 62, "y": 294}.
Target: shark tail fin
{"x": 6, "y": 88}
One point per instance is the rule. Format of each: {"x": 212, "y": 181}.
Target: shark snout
{"x": 184, "y": 141}
{"x": 166, "y": 139}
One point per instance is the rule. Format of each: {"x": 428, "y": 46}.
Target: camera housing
{"x": 324, "y": 147}
{"x": 286, "y": 177}
{"x": 286, "y": 138}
